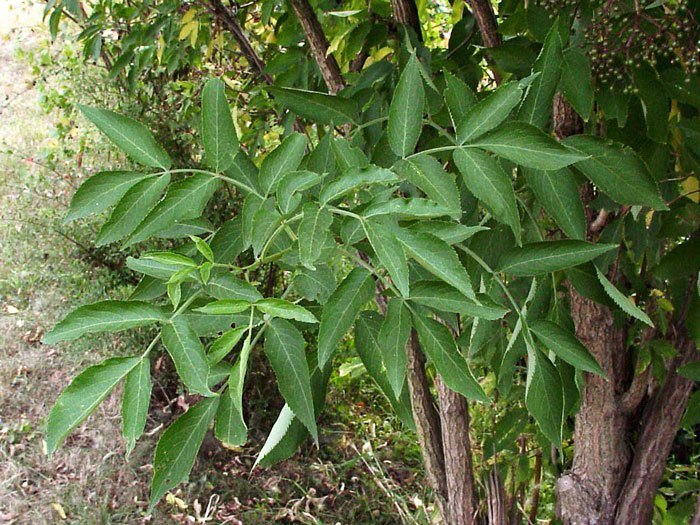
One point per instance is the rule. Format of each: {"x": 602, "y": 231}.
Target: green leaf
{"x": 132, "y": 137}
{"x": 187, "y": 353}
{"x": 444, "y": 297}
{"x": 426, "y": 173}
{"x": 224, "y": 307}
{"x": 537, "y": 103}
{"x": 356, "y": 178}
{"x": 313, "y": 233}
{"x": 690, "y": 371}
{"x": 178, "y": 447}
{"x": 203, "y": 248}
{"x": 290, "y": 187}
{"x": 348, "y": 156}
{"x": 528, "y": 146}
{"x": 681, "y": 262}
{"x": 382, "y": 237}
{"x": 83, "y": 395}
{"x": 438, "y": 257}
{"x": 101, "y": 191}
{"x": 244, "y": 172}
{"x": 450, "y": 232}
{"x": 284, "y": 309}
{"x": 265, "y": 222}
{"x": 230, "y": 427}
{"x": 317, "y": 107}
{"x": 226, "y": 286}
{"x": 485, "y": 178}
{"x": 489, "y": 112}
{"x": 224, "y": 344}
{"x": 459, "y": 98}
{"x": 227, "y": 243}
{"x": 283, "y": 159}
{"x": 440, "y": 347}
{"x": 544, "y": 396}
{"x": 218, "y": 132}
{"x": 105, "y": 316}
{"x": 405, "y": 209}
{"x": 393, "y": 336}
{"x": 538, "y": 258}
{"x": 314, "y": 285}
{"x": 283, "y": 427}
{"x": 576, "y": 82}
{"x": 135, "y": 402}
{"x": 617, "y": 171}
{"x": 621, "y": 300}
{"x": 406, "y": 110}
{"x": 341, "y": 309}
{"x": 565, "y": 345}
{"x": 185, "y": 199}
{"x": 284, "y": 348}
{"x": 170, "y": 259}
{"x": 132, "y": 209}
{"x": 557, "y": 191}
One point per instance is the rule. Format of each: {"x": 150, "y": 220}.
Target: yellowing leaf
{"x": 691, "y": 189}
{"x": 189, "y": 16}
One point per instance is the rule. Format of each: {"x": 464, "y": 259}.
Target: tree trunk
{"x": 406, "y": 13}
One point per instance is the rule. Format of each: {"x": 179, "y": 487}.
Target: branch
{"x": 485, "y": 21}
{"x": 406, "y": 13}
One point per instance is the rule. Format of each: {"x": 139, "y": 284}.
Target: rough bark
{"x": 696, "y": 518}
{"x": 319, "y": 45}
{"x": 406, "y": 13}
{"x": 496, "y": 499}
{"x": 485, "y": 21}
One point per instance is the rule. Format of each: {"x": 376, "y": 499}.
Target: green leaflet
{"x": 557, "y": 191}
{"x": 406, "y": 209}
{"x": 617, "y": 171}
{"x": 187, "y": 353}
{"x": 348, "y": 156}
{"x": 355, "y": 178}
{"x": 230, "y": 427}
{"x": 101, "y": 191}
{"x": 251, "y": 205}
{"x": 690, "y": 371}
{"x": 565, "y": 346}
{"x": 528, "y": 146}
{"x": 538, "y": 258}
{"x": 392, "y": 339}
{"x": 283, "y": 159}
{"x": 135, "y": 402}
{"x": 284, "y": 347}
{"x": 224, "y": 307}
{"x": 426, "y": 173}
{"x": 406, "y": 110}
{"x": 226, "y": 286}
{"x": 315, "y": 106}
{"x": 544, "y": 395}
{"x": 227, "y": 243}
{"x": 265, "y": 222}
{"x": 243, "y": 171}
{"x": 314, "y": 285}
{"x": 224, "y": 344}
{"x": 184, "y": 200}
{"x": 681, "y": 262}
{"x": 132, "y": 209}
{"x": 381, "y": 233}
{"x": 83, "y": 395}
{"x": 312, "y": 233}
{"x": 450, "y": 232}
{"x": 153, "y": 268}
{"x": 218, "y": 132}
{"x": 281, "y": 430}
{"x": 438, "y": 257}
{"x": 443, "y": 297}
{"x": 341, "y": 309}
{"x": 485, "y": 178}
{"x": 178, "y": 447}
{"x": 458, "y": 96}
{"x": 489, "y": 112}
{"x": 290, "y": 187}
{"x": 576, "y": 83}
{"x": 132, "y": 137}
{"x": 105, "y": 316}
{"x": 440, "y": 347}
{"x": 621, "y": 300}
{"x": 284, "y": 309}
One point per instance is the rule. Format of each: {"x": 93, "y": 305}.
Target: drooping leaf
{"x": 284, "y": 347}
{"x": 565, "y": 346}
{"x": 488, "y": 113}
{"x": 101, "y": 191}
{"x": 83, "y": 395}
{"x": 382, "y": 236}
{"x": 280, "y": 430}
{"x": 406, "y": 110}
{"x": 393, "y": 336}
{"x": 184, "y": 200}
{"x": 444, "y": 297}
{"x": 441, "y": 348}
{"x": 356, "y": 178}
{"x": 617, "y": 171}
{"x": 438, "y": 257}
{"x": 576, "y": 82}
{"x": 105, "y": 316}
{"x": 132, "y": 209}
{"x": 132, "y": 137}
{"x": 316, "y": 106}
{"x": 178, "y": 447}
{"x": 187, "y": 353}
{"x": 621, "y": 300}
{"x": 218, "y": 132}
{"x": 230, "y": 427}
{"x": 427, "y": 174}
{"x": 544, "y": 396}
{"x": 528, "y": 146}
{"x": 284, "y": 159}
{"x": 557, "y": 191}
{"x": 135, "y": 401}
{"x": 284, "y": 309}
{"x": 484, "y": 177}
{"x": 312, "y": 233}
{"x": 538, "y": 258}
{"x": 341, "y": 309}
